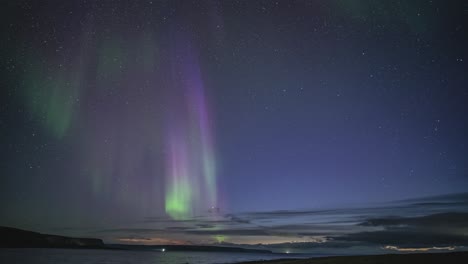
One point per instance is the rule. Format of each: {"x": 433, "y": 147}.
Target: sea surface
{"x": 102, "y": 256}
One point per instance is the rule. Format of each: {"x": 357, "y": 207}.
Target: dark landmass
{"x": 426, "y": 258}
{"x": 17, "y": 238}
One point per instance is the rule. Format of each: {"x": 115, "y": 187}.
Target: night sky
{"x": 242, "y": 122}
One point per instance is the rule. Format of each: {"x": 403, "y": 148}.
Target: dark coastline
{"x": 412, "y": 258}
{"x": 18, "y": 238}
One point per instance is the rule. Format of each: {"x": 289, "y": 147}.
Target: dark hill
{"x": 17, "y": 238}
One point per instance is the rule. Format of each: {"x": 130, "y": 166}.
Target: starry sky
{"x": 238, "y": 122}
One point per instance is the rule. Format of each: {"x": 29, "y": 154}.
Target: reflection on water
{"x": 92, "y": 256}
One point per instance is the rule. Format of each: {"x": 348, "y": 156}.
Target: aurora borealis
{"x": 82, "y": 90}
{"x": 191, "y": 176}
{"x": 290, "y": 123}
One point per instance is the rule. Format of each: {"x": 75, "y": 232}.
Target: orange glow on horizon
{"x": 418, "y": 249}
{"x": 154, "y": 241}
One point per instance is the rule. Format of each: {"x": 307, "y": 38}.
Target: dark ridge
{"x": 17, "y": 238}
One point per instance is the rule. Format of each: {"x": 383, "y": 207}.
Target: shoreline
{"x": 436, "y": 258}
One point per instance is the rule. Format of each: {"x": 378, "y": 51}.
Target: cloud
{"x": 441, "y": 229}
{"x": 152, "y": 241}
{"x": 232, "y": 232}
{"x": 403, "y": 237}
{"x": 445, "y": 198}
{"x": 130, "y": 230}
{"x": 429, "y": 222}
{"x": 236, "y": 219}
{"x": 442, "y": 220}
{"x": 202, "y": 225}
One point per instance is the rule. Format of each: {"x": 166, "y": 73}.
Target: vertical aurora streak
{"x": 52, "y": 99}
{"x": 191, "y": 170}
{"x": 178, "y": 190}
{"x": 199, "y": 109}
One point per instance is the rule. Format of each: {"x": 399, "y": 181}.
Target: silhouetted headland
{"x": 18, "y": 238}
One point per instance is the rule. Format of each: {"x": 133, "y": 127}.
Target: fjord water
{"x": 95, "y": 256}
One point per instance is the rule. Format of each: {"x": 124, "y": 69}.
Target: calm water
{"x": 91, "y": 256}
